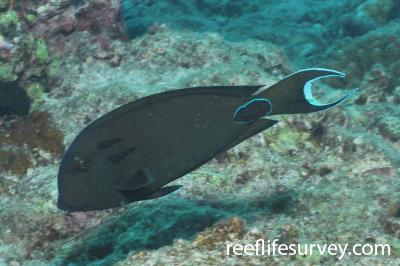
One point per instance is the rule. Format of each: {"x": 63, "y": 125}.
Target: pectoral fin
{"x": 137, "y": 181}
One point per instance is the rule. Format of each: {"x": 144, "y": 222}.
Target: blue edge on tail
{"x": 308, "y": 93}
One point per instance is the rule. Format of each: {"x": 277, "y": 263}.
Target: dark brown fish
{"x": 133, "y": 152}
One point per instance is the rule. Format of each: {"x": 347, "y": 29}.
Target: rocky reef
{"x": 331, "y": 176}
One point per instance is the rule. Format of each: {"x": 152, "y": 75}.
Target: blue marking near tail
{"x": 268, "y": 102}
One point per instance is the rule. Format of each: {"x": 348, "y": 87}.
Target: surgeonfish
{"x": 132, "y": 153}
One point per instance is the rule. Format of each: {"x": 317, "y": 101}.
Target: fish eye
{"x": 81, "y": 164}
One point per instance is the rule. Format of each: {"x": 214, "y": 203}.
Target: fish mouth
{"x": 72, "y": 198}
{"x": 64, "y": 206}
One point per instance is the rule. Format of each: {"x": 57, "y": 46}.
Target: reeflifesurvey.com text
{"x": 263, "y": 247}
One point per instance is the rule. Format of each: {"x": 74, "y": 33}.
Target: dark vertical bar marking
{"x": 116, "y": 158}
{"x": 108, "y": 143}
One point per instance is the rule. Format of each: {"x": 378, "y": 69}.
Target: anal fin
{"x": 163, "y": 192}
{"x": 256, "y": 127}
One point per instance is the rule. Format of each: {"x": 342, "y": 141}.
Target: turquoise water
{"x": 330, "y": 177}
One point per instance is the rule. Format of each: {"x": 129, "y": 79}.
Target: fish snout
{"x": 75, "y": 193}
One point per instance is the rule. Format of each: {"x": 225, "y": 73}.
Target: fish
{"x": 133, "y": 152}
{"x": 14, "y": 100}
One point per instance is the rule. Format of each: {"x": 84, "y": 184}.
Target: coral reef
{"x": 22, "y": 59}
{"x": 328, "y": 177}
{"x": 215, "y": 237}
{"x": 8, "y": 22}
{"x": 315, "y": 27}
{"x": 148, "y": 226}
{"x": 390, "y": 128}
{"x": 374, "y": 54}
{"x": 34, "y": 137}
{"x": 370, "y": 15}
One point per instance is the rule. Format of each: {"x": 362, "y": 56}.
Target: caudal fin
{"x": 293, "y": 95}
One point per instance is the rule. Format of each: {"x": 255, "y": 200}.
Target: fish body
{"x": 131, "y": 153}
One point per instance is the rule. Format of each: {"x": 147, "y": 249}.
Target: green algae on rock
{"x": 41, "y": 53}
{"x": 7, "y": 72}
{"x": 4, "y": 4}
{"x": 36, "y": 93}
{"x": 8, "y": 22}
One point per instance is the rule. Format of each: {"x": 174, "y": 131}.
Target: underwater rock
{"x": 67, "y": 22}
{"x": 15, "y": 161}
{"x": 3, "y": 4}
{"x": 382, "y": 47}
{"x": 390, "y": 218}
{"x": 390, "y": 127}
{"x": 378, "y": 85}
{"x": 22, "y": 58}
{"x": 370, "y": 15}
{"x": 7, "y": 73}
{"x": 5, "y": 45}
{"x": 36, "y": 93}
{"x": 100, "y": 17}
{"x": 215, "y": 236}
{"x": 144, "y": 227}
{"x": 31, "y": 135}
{"x": 8, "y": 23}
{"x": 348, "y": 170}
{"x": 316, "y": 26}
{"x": 288, "y": 234}
{"x": 36, "y": 131}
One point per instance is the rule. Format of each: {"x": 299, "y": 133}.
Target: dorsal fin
{"x": 234, "y": 91}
